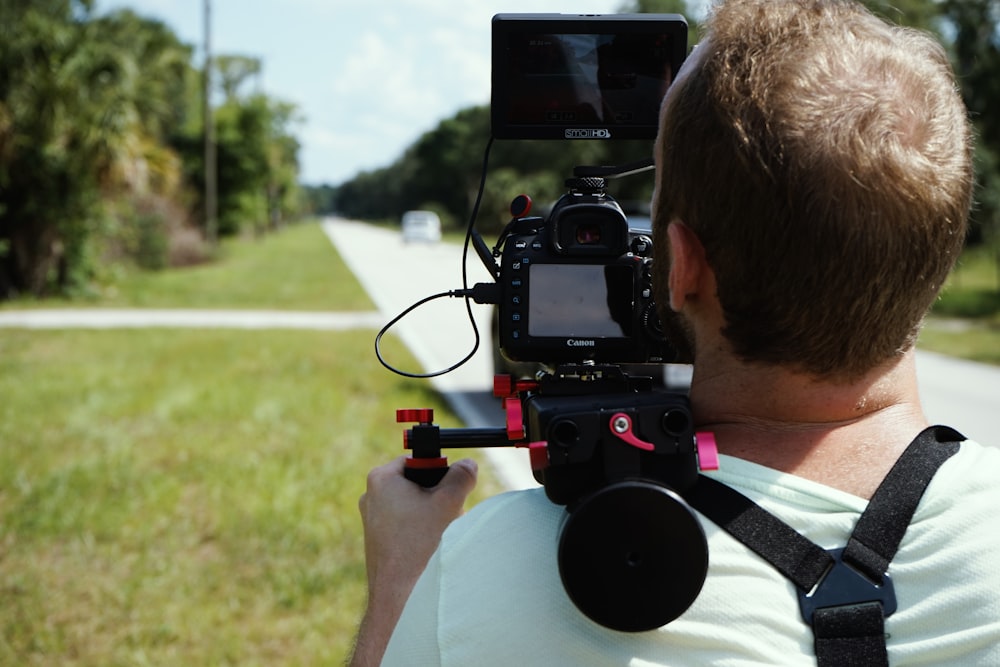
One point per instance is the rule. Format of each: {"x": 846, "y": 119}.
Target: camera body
{"x": 577, "y": 286}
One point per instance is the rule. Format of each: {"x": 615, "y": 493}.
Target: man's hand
{"x": 403, "y": 525}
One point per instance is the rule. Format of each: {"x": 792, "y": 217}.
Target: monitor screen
{"x": 583, "y": 77}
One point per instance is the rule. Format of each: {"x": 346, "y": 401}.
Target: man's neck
{"x": 843, "y": 435}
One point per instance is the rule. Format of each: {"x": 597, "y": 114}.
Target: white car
{"x": 421, "y": 226}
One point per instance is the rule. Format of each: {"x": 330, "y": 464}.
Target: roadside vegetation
{"x": 965, "y": 322}
{"x": 172, "y": 497}
{"x": 296, "y": 269}
{"x": 102, "y": 148}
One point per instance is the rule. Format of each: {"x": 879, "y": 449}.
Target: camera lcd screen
{"x": 580, "y": 300}
{"x": 583, "y": 77}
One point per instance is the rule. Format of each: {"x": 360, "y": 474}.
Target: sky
{"x": 368, "y": 78}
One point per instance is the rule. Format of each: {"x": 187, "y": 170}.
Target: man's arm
{"x": 403, "y": 525}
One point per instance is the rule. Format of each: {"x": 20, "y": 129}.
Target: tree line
{"x": 441, "y": 170}
{"x": 101, "y": 146}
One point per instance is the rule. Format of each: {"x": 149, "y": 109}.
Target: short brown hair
{"x": 823, "y": 158}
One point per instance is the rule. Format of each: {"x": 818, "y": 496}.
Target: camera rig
{"x": 574, "y": 292}
{"x": 612, "y": 446}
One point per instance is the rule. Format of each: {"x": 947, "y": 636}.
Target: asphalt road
{"x": 959, "y": 393}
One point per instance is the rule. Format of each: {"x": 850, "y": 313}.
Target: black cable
{"x": 465, "y": 292}
{"x": 385, "y": 329}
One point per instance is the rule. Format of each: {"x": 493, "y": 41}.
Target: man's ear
{"x": 687, "y": 264}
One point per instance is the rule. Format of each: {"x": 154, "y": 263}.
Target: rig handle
{"x": 425, "y": 466}
{"x": 425, "y": 476}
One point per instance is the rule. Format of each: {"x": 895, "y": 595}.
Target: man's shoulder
{"x": 966, "y": 484}
{"x": 511, "y": 501}
{"x": 957, "y": 526}
{"x": 973, "y": 448}
{"x": 520, "y": 512}
{"x": 973, "y": 467}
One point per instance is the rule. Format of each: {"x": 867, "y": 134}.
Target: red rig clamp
{"x": 425, "y": 440}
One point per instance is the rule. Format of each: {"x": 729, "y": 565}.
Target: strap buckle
{"x": 843, "y": 585}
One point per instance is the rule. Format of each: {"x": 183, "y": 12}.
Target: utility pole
{"x": 211, "y": 168}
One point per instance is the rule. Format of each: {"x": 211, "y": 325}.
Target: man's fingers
{"x": 465, "y": 472}
{"x": 460, "y": 480}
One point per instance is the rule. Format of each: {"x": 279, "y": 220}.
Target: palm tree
{"x": 83, "y": 103}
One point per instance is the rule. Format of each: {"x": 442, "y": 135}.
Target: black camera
{"x": 576, "y": 286}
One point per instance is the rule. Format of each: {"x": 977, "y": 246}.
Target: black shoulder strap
{"x": 880, "y": 529}
{"x": 844, "y": 594}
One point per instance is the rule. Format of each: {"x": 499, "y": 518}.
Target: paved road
{"x": 397, "y": 275}
{"x": 962, "y": 394}
{"x": 956, "y": 392}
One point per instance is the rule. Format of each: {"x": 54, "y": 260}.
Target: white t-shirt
{"x": 491, "y": 594}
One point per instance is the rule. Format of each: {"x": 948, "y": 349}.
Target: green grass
{"x": 172, "y": 497}
{"x": 296, "y": 268}
{"x": 975, "y": 343}
{"x": 189, "y": 498}
{"x": 965, "y": 321}
{"x": 973, "y": 289}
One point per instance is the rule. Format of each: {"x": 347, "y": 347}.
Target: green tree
{"x": 681, "y": 7}
{"x": 64, "y": 126}
{"x": 257, "y": 152}
{"x": 257, "y": 161}
{"x": 234, "y": 71}
{"x": 923, "y": 14}
{"x": 976, "y": 45}
{"x": 80, "y": 113}
{"x": 320, "y": 199}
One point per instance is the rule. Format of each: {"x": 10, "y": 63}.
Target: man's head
{"x": 823, "y": 159}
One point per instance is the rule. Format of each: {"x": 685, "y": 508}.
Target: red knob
{"x": 503, "y": 385}
{"x": 418, "y": 415}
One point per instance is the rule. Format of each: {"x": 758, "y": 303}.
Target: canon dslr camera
{"x": 576, "y": 286}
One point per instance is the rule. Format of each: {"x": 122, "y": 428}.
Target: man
{"x": 812, "y": 187}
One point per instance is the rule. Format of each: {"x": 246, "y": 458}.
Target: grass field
{"x": 173, "y": 497}
{"x": 295, "y": 269}
{"x": 965, "y": 321}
